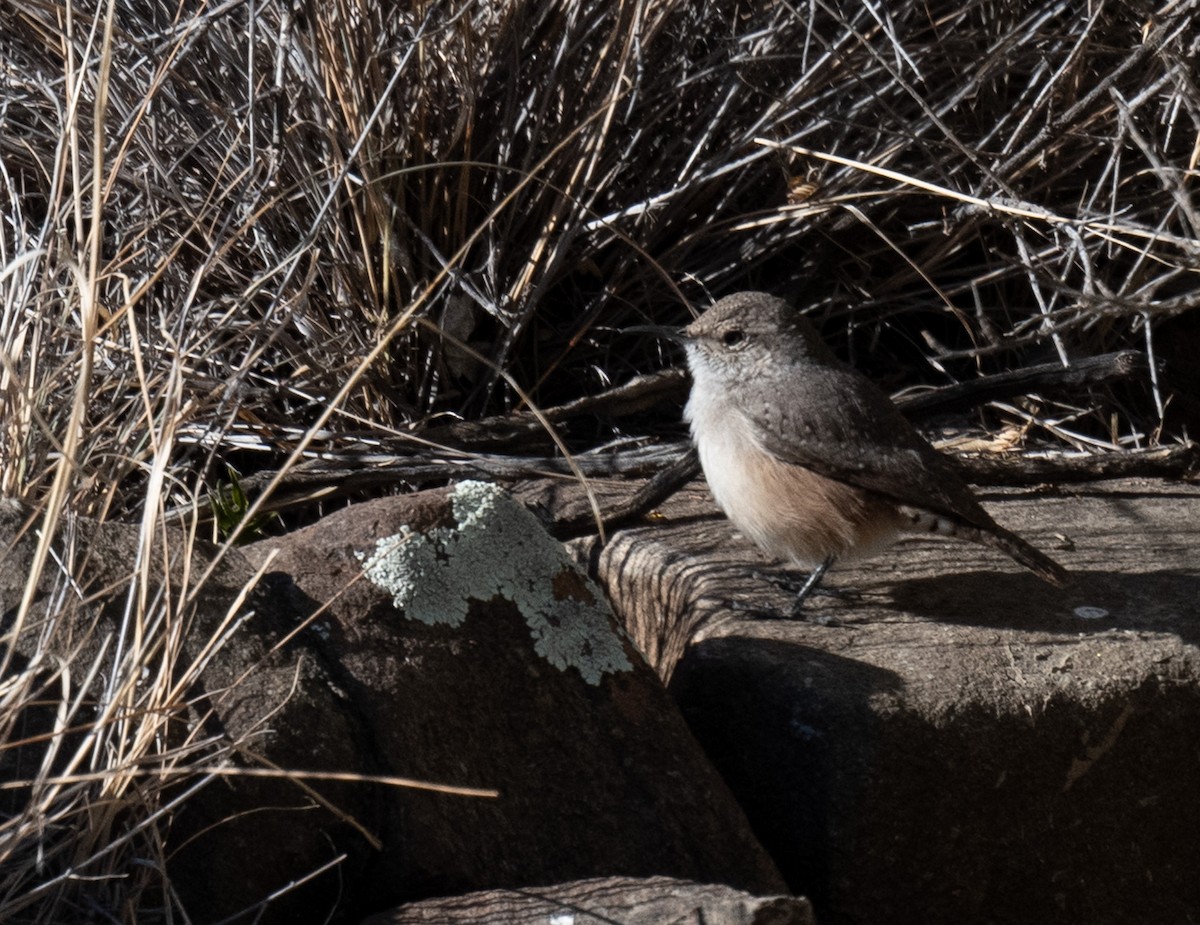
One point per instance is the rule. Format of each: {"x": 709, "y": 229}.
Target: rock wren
{"x": 808, "y": 457}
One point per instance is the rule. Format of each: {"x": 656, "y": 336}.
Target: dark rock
{"x": 653, "y": 901}
{"x": 439, "y": 644}
{"x": 501, "y": 669}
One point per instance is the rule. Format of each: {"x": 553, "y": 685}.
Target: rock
{"x": 630, "y": 901}
{"x": 440, "y": 644}
{"x": 958, "y": 738}
{"x": 474, "y": 654}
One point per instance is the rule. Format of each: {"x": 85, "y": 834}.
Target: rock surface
{"x": 503, "y": 670}
{"x": 956, "y": 738}
{"x": 442, "y": 638}
{"x": 602, "y": 901}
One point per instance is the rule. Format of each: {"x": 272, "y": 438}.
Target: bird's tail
{"x": 1033, "y": 559}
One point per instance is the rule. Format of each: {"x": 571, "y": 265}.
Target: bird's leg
{"x": 803, "y": 590}
{"x": 806, "y": 585}
{"x": 809, "y": 586}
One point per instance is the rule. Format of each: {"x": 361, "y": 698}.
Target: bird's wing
{"x": 837, "y": 423}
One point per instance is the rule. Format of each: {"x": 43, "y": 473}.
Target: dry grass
{"x": 218, "y": 224}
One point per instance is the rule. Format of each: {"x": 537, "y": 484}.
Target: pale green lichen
{"x": 497, "y": 549}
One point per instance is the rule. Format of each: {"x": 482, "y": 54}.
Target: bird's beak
{"x": 666, "y": 332}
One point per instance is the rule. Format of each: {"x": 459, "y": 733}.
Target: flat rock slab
{"x": 605, "y": 900}
{"x": 956, "y": 741}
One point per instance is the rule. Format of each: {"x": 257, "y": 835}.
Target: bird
{"x": 808, "y": 457}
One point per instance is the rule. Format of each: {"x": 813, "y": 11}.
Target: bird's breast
{"x": 789, "y": 511}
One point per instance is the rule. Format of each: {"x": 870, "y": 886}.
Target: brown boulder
{"x": 442, "y": 638}
{"x": 473, "y": 653}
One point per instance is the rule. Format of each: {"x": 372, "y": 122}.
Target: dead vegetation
{"x": 230, "y": 234}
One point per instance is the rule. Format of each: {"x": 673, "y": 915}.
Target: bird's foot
{"x": 803, "y": 591}
{"x": 809, "y": 586}
{"x": 794, "y": 583}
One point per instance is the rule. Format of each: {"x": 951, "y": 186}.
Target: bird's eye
{"x": 733, "y": 337}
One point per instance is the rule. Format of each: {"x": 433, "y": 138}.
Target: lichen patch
{"x": 497, "y": 549}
